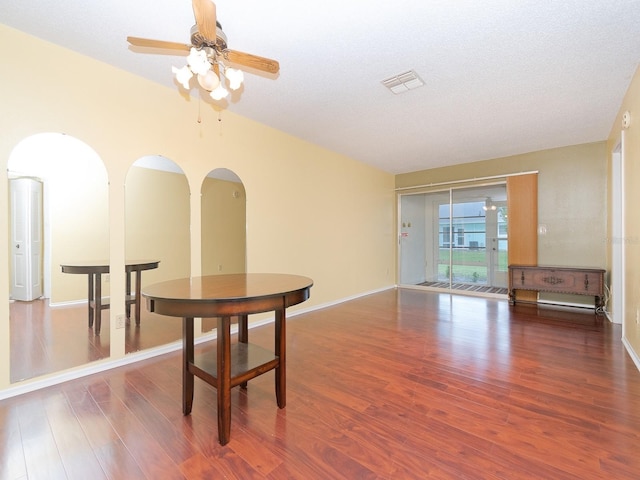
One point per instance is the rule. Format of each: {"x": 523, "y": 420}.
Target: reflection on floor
{"x": 468, "y": 287}
{"x": 48, "y": 339}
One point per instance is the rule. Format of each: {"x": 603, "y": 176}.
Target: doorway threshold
{"x": 465, "y": 287}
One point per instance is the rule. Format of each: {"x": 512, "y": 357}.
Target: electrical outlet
{"x": 219, "y": 268}
{"x": 120, "y": 321}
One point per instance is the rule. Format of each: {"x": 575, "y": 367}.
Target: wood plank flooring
{"x": 403, "y": 384}
{"x": 50, "y": 339}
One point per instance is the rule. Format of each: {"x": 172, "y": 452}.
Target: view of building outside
{"x": 470, "y": 233}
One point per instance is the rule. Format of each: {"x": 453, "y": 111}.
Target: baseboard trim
{"x": 632, "y": 353}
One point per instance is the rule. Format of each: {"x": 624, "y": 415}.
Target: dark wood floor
{"x": 46, "y": 340}
{"x": 400, "y": 384}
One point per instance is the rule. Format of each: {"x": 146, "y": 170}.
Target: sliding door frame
{"x": 443, "y": 187}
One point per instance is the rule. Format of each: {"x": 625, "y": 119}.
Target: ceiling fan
{"x": 209, "y": 58}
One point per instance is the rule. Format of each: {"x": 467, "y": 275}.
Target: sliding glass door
{"x": 455, "y": 239}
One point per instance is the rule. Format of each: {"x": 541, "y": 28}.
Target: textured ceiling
{"x": 501, "y": 77}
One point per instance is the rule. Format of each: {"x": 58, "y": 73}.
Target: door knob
{"x": 17, "y": 245}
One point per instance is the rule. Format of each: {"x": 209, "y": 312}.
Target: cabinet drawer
{"x": 564, "y": 281}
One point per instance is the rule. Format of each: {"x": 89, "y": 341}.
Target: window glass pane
{"x": 454, "y": 238}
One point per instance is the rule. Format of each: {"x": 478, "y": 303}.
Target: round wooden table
{"x": 223, "y": 297}
{"x": 94, "y": 271}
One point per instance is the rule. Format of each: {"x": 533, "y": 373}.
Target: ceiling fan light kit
{"x": 203, "y": 63}
{"x": 209, "y": 54}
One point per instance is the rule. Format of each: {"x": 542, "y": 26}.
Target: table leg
{"x": 98, "y": 304}
{"x": 223, "y": 387}
{"x": 90, "y": 300}
{"x": 281, "y": 352}
{"x": 127, "y": 293}
{"x": 138, "y": 288}
{"x": 243, "y": 335}
{"x": 187, "y": 359}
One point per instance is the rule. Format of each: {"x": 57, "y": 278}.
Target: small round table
{"x": 223, "y": 297}
{"x": 94, "y": 271}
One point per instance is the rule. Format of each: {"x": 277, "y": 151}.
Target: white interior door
{"x": 26, "y": 238}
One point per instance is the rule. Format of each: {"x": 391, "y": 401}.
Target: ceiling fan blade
{"x": 205, "y": 14}
{"x": 252, "y": 61}
{"x": 148, "y": 43}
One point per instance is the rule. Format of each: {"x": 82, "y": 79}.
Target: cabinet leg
{"x": 599, "y": 306}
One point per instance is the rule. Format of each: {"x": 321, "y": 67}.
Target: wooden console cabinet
{"x": 576, "y": 281}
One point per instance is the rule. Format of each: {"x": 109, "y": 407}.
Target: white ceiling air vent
{"x": 403, "y": 82}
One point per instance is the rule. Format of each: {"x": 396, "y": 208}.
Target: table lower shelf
{"x": 247, "y": 362}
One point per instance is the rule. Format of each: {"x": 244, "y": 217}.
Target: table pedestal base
{"x": 233, "y": 365}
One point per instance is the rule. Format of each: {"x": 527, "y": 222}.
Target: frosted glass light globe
{"x": 219, "y": 93}
{"x": 183, "y": 75}
{"x": 198, "y": 61}
{"x": 235, "y": 78}
{"x": 209, "y": 81}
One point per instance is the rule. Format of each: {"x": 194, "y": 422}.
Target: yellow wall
{"x": 631, "y": 240}
{"x": 224, "y": 217}
{"x": 309, "y": 211}
{"x": 572, "y": 196}
{"x": 157, "y": 222}
{"x": 76, "y": 217}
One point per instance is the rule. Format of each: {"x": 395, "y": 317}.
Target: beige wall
{"x": 157, "y": 222}
{"x": 76, "y": 215}
{"x": 572, "y": 196}
{"x": 631, "y": 240}
{"x": 224, "y": 217}
{"x": 309, "y": 211}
